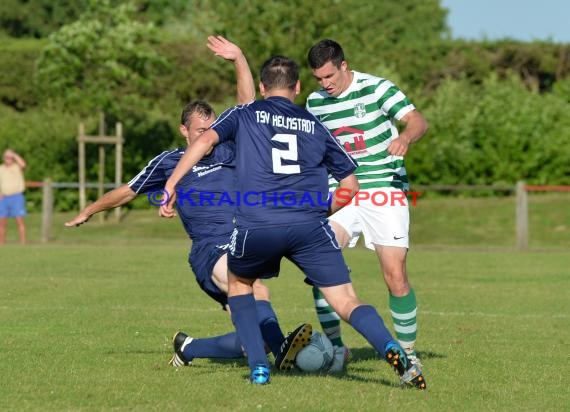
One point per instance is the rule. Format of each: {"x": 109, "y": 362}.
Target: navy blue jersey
{"x": 283, "y": 158}
{"x": 200, "y": 194}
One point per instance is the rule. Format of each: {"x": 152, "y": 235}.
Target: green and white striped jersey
{"x": 361, "y": 118}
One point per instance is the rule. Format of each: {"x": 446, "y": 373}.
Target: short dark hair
{"x": 279, "y": 72}
{"x": 200, "y": 107}
{"x": 325, "y": 51}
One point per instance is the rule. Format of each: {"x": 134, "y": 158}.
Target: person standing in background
{"x": 12, "y": 201}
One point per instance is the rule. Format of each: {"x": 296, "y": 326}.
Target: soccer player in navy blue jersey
{"x": 283, "y": 149}
{"x": 208, "y": 227}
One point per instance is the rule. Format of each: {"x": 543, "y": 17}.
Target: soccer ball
{"x": 317, "y": 356}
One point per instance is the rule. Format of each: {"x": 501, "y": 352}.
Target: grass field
{"x": 86, "y": 324}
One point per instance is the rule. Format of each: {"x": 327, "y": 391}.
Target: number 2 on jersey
{"x": 278, "y": 155}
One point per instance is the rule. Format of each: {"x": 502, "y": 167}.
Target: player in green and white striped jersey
{"x": 360, "y": 110}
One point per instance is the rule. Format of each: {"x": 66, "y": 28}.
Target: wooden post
{"x": 101, "y": 140}
{"x": 101, "y": 181}
{"x": 82, "y": 194}
{"x": 118, "y": 162}
{"x": 522, "y": 216}
{"x": 47, "y": 209}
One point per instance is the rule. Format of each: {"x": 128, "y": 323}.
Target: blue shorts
{"x": 13, "y": 206}
{"x": 257, "y": 253}
{"x": 203, "y": 257}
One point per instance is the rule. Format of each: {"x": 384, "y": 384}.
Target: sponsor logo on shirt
{"x": 352, "y": 139}
{"x": 204, "y": 170}
{"x": 198, "y": 168}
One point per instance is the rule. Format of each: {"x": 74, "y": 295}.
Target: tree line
{"x": 498, "y": 110}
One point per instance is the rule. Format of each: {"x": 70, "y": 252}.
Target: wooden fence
{"x": 48, "y": 187}
{"x": 520, "y": 190}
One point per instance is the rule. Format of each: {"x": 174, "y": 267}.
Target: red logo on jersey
{"x": 352, "y": 139}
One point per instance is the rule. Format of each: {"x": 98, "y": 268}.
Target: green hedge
{"x": 17, "y": 65}
{"x": 498, "y": 132}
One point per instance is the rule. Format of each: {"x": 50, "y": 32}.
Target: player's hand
{"x": 398, "y": 147}
{"x": 78, "y": 220}
{"x": 224, "y": 48}
{"x": 167, "y": 210}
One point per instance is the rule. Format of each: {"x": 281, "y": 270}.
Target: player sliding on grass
{"x": 208, "y": 227}
{"x": 360, "y": 110}
{"x": 276, "y": 153}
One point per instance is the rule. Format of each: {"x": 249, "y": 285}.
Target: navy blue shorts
{"x": 257, "y": 253}
{"x": 203, "y": 257}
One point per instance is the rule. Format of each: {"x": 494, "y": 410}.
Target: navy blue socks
{"x": 244, "y": 317}
{"x": 369, "y": 324}
{"x": 219, "y": 347}
{"x": 270, "y": 330}
{"x": 228, "y": 346}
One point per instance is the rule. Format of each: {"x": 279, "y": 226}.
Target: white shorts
{"x": 382, "y": 215}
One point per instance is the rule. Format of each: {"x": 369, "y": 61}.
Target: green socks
{"x": 328, "y": 318}
{"x": 403, "y": 310}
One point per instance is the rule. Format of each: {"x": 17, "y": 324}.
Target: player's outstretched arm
{"x": 194, "y": 152}
{"x": 115, "y": 198}
{"x": 347, "y": 189}
{"x": 416, "y": 126}
{"x": 226, "y": 49}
